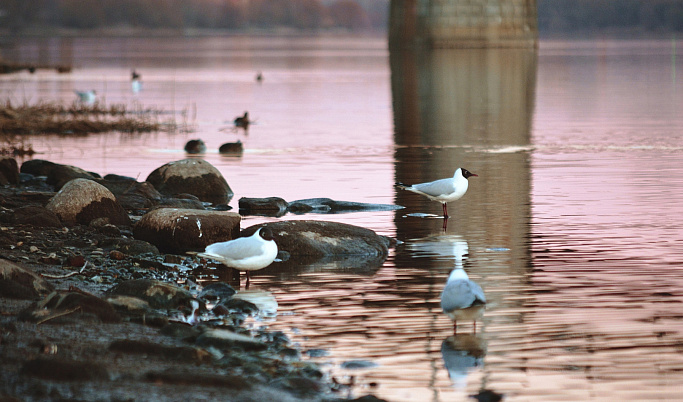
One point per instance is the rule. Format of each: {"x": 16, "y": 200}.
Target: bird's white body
{"x": 244, "y": 253}
{"x": 443, "y": 190}
{"x": 462, "y": 299}
{"x": 86, "y": 96}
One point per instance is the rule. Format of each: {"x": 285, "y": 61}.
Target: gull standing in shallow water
{"x": 443, "y": 190}
{"x": 462, "y": 299}
{"x": 245, "y": 253}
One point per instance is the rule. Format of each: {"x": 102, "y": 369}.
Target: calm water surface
{"x": 573, "y": 227}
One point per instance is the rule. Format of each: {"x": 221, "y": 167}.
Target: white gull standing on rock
{"x": 245, "y": 253}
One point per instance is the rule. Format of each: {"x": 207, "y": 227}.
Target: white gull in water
{"x": 462, "y": 299}
{"x": 443, "y": 190}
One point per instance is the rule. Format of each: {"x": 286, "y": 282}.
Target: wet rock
{"x": 176, "y": 378}
{"x": 130, "y": 193}
{"x": 57, "y": 369}
{"x": 19, "y": 283}
{"x": 224, "y": 339}
{"x": 37, "y": 216}
{"x": 81, "y": 200}
{"x": 194, "y": 176}
{"x": 320, "y": 238}
{"x": 179, "y": 230}
{"x": 357, "y": 364}
{"x": 180, "y": 331}
{"x": 181, "y": 203}
{"x": 328, "y": 205}
{"x": 60, "y": 303}
{"x": 241, "y": 306}
{"x": 185, "y": 353}
{"x": 130, "y": 246}
{"x": 128, "y": 304}
{"x": 57, "y": 175}
{"x": 37, "y": 167}
{"x": 219, "y": 290}
{"x": 368, "y": 398}
{"x": 274, "y": 205}
{"x": 158, "y": 294}
{"x": 9, "y": 171}
{"x": 231, "y": 148}
{"x": 300, "y": 386}
{"x": 195, "y": 147}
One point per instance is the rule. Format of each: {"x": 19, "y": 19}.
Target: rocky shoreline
{"x": 100, "y": 300}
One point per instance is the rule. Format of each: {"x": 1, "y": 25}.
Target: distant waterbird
{"x": 242, "y": 121}
{"x": 195, "y": 147}
{"x": 87, "y": 97}
{"x": 443, "y": 190}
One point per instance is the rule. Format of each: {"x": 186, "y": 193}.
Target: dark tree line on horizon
{"x": 563, "y": 16}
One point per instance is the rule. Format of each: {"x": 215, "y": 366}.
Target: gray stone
{"x": 194, "y": 176}
{"x": 320, "y": 238}
{"x": 158, "y": 294}
{"x": 81, "y": 200}
{"x": 274, "y": 205}
{"x": 19, "y": 283}
{"x": 224, "y": 339}
{"x": 37, "y": 216}
{"x": 9, "y": 171}
{"x": 180, "y": 230}
{"x": 328, "y": 205}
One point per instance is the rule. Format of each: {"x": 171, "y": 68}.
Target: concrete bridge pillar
{"x": 463, "y": 23}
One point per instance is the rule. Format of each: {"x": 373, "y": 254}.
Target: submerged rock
{"x": 231, "y": 148}
{"x": 193, "y": 176}
{"x": 330, "y": 206}
{"x": 271, "y": 205}
{"x": 80, "y": 201}
{"x": 180, "y": 230}
{"x": 195, "y": 147}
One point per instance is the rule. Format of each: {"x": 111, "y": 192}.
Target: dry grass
{"x": 20, "y": 121}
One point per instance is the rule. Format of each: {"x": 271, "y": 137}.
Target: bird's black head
{"x": 466, "y": 173}
{"x": 266, "y": 233}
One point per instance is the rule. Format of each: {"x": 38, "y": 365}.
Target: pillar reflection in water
{"x": 468, "y": 108}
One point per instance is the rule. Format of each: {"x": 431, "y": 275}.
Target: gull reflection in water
{"x": 439, "y": 246}
{"x": 462, "y": 354}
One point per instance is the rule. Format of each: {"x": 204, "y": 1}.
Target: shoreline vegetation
{"x": 19, "y": 122}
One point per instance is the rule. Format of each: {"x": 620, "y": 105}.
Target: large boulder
{"x": 193, "y": 176}
{"x": 9, "y": 171}
{"x": 176, "y": 230}
{"x": 321, "y": 238}
{"x": 81, "y": 201}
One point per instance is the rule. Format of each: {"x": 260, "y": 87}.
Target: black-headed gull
{"x": 244, "y": 253}
{"x": 443, "y": 190}
{"x": 462, "y": 299}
